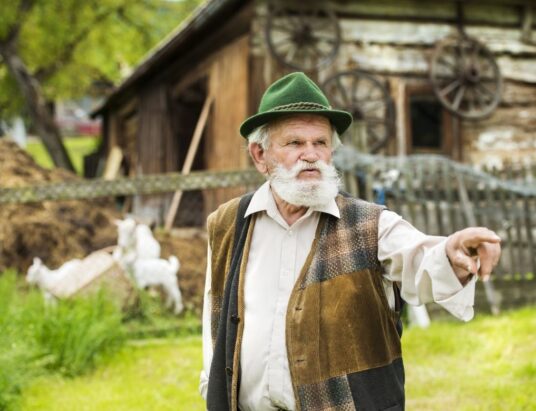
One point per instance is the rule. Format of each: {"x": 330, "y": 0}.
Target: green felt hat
{"x": 295, "y": 93}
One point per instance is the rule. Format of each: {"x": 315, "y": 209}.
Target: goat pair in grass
{"x": 137, "y": 254}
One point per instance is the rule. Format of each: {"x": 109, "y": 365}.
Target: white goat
{"x": 48, "y": 280}
{"x": 138, "y": 254}
{"x": 159, "y": 272}
{"x": 135, "y": 239}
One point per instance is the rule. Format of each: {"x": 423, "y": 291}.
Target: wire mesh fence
{"x": 140, "y": 185}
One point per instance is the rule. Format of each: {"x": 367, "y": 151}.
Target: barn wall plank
{"x": 225, "y": 148}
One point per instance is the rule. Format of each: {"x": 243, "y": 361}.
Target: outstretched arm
{"x": 420, "y": 263}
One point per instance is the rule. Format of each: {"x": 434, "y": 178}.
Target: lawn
{"x": 77, "y": 147}
{"x": 159, "y": 374}
{"x": 486, "y": 364}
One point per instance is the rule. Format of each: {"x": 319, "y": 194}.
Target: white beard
{"x": 306, "y": 193}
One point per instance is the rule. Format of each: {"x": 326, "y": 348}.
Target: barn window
{"x": 428, "y": 125}
{"x": 426, "y": 122}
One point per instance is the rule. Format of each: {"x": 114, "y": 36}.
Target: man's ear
{"x": 258, "y": 154}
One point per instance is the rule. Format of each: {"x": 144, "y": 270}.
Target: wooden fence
{"x": 436, "y": 195}
{"x": 439, "y": 197}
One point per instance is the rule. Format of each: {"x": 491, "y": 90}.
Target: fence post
{"x": 491, "y": 295}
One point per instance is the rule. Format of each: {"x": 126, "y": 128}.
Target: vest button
{"x": 229, "y": 371}
{"x": 235, "y": 319}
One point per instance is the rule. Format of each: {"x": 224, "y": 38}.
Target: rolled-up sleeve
{"x": 419, "y": 263}
{"x": 207, "y": 335}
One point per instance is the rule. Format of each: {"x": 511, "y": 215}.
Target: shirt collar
{"x": 263, "y": 200}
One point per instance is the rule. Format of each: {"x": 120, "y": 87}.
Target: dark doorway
{"x": 186, "y": 109}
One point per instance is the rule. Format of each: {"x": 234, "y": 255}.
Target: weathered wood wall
{"x": 155, "y": 147}
{"x": 225, "y": 148}
{"x": 395, "y": 39}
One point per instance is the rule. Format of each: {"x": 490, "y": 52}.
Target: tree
{"x": 57, "y": 49}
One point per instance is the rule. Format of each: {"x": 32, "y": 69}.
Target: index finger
{"x": 489, "y": 257}
{"x": 480, "y": 235}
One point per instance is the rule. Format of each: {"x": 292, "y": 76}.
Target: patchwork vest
{"x": 341, "y": 335}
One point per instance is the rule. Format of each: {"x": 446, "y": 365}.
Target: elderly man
{"x": 301, "y": 297}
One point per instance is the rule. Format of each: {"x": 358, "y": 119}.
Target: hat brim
{"x": 341, "y": 120}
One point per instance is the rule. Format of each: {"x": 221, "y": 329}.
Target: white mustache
{"x": 302, "y": 165}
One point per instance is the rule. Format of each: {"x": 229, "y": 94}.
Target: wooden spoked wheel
{"x": 465, "y": 77}
{"x": 370, "y": 104}
{"x": 303, "y": 37}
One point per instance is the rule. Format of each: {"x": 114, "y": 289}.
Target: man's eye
{"x": 294, "y": 143}
{"x": 321, "y": 143}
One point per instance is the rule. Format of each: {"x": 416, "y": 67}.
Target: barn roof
{"x": 198, "y": 26}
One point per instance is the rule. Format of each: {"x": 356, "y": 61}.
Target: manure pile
{"x": 55, "y": 231}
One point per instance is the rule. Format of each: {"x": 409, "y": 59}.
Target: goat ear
{"x": 117, "y": 222}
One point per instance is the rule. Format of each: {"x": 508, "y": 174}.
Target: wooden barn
{"x": 452, "y": 78}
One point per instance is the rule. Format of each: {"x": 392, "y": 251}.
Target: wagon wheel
{"x": 303, "y": 37}
{"x": 466, "y": 78}
{"x": 370, "y": 104}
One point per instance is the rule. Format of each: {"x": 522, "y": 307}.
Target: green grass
{"x": 19, "y": 355}
{"x": 77, "y": 147}
{"x": 69, "y": 338}
{"x": 149, "y": 375}
{"x": 64, "y": 342}
{"x": 486, "y": 364}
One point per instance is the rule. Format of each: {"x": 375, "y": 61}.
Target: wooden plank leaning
{"x": 187, "y": 166}
{"x": 491, "y": 296}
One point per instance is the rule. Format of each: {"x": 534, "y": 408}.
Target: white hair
{"x": 261, "y": 136}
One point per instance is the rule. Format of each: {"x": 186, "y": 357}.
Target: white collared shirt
{"x": 276, "y": 256}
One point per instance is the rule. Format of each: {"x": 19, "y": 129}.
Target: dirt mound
{"x": 57, "y": 231}
{"x": 190, "y": 246}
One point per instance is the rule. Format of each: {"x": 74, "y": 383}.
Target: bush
{"x": 19, "y": 356}
{"x": 76, "y": 334}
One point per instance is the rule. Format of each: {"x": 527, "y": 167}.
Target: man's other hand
{"x": 474, "y": 250}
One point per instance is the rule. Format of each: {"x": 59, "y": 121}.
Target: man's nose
{"x": 310, "y": 153}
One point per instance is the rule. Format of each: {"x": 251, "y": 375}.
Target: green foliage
{"x": 77, "y": 148}
{"x": 76, "y": 334}
{"x": 70, "y": 44}
{"x": 18, "y": 355}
